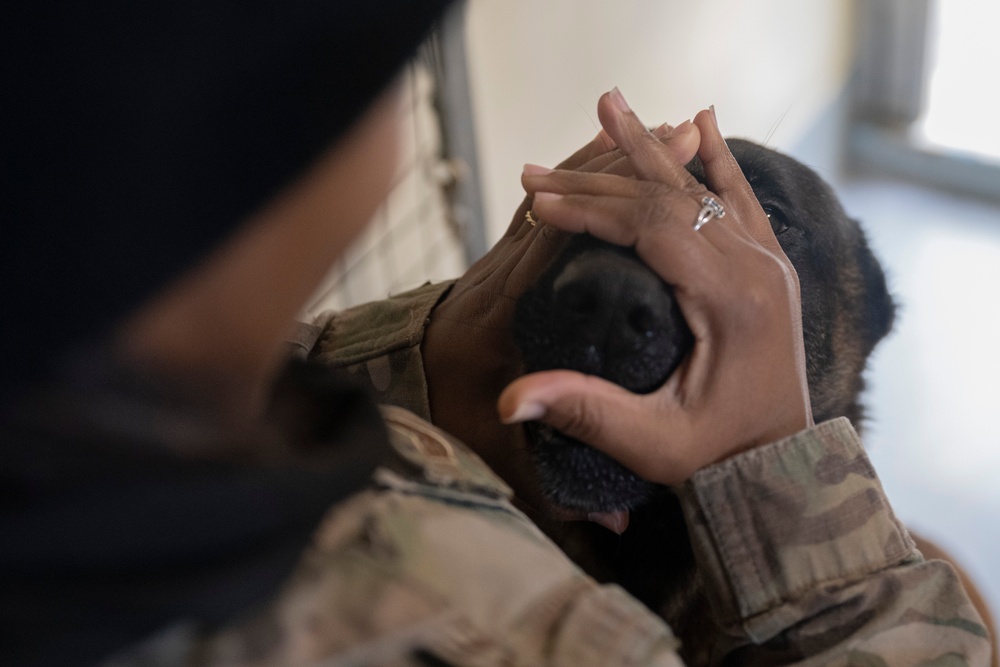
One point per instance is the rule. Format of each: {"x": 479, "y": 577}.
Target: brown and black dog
{"x": 599, "y": 310}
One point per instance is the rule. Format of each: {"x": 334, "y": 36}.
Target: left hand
{"x": 469, "y": 356}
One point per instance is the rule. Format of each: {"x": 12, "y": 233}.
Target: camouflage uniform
{"x": 802, "y": 556}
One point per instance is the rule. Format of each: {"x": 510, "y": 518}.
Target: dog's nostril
{"x": 640, "y": 320}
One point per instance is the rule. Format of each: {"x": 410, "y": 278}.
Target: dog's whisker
{"x": 589, "y": 116}
{"x": 776, "y": 125}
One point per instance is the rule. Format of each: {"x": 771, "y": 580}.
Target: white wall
{"x": 538, "y": 67}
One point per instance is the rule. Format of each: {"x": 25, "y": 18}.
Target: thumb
{"x": 592, "y": 410}
{"x": 580, "y": 406}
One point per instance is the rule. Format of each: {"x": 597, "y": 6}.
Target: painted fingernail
{"x": 525, "y": 412}
{"x": 619, "y": 100}
{"x": 680, "y": 129}
{"x": 536, "y": 170}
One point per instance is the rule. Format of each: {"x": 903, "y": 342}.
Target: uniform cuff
{"x": 777, "y": 522}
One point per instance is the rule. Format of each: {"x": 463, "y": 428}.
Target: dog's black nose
{"x": 618, "y": 317}
{"x": 598, "y": 310}
{"x": 612, "y": 299}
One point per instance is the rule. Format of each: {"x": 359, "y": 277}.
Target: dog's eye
{"x": 778, "y": 221}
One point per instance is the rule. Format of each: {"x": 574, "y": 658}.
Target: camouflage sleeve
{"x": 805, "y": 561}
{"x": 380, "y": 343}
{"x": 432, "y": 565}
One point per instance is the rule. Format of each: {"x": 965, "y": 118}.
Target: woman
{"x": 181, "y": 177}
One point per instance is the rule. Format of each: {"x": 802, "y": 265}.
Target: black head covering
{"x": 137, "y": 135}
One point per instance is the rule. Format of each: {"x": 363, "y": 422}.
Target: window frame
{"x": 889, "y": 93}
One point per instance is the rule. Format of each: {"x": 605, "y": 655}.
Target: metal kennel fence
{"x": 431, "y": 225}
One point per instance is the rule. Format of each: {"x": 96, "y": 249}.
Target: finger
{"x": 602, "y": 161}
{"x": 724, "y": 177}
{"x": 722, "y": 231}
{"x": 645, "y": 152}
{"x": 652, "y": 203}
{"x": 681, "y": 142}
{"x": 659, "y": 227}
{"x": 542, "y": 247}
{"x": 601, "y": 144}
{"x": 537, "y": 179}
{"x": 601, "y": 414}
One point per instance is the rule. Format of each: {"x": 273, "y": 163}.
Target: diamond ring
{"x": 709, "y": 209}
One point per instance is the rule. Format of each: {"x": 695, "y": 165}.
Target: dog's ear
{"x": 878, "y": 304}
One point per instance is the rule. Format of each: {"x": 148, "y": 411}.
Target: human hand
{"x": 469, "y": 356}
{"x": 744, "y": 383}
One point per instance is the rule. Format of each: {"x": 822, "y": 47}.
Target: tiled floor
{"x": 934, "y": 385}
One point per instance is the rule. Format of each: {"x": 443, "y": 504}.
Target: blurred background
{"x": 892, "y": 101}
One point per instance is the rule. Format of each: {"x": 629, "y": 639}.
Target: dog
{"x": 599, "y": 310}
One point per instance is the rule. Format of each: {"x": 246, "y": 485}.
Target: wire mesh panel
{"x": 412, "y": 238}
{"x": 423, "y": 231}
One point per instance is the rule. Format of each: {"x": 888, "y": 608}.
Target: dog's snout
{"x": 616, "y": 312}
{"x": 598, "y": 309}
{"x": 611, "y": 295}
{"x": 612, "y": 298}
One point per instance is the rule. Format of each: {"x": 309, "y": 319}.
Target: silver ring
{"x": 709, "y": 209}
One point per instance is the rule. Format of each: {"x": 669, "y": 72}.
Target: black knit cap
{"x": 137, "y": 135}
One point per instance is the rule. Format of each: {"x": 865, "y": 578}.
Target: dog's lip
{"x": 615, "y": 520}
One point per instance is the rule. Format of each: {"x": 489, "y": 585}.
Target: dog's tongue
{"x": 616, "y": 521}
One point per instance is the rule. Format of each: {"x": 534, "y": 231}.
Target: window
{"x": 925, "y": 103}
{"x": 962, "y": 103}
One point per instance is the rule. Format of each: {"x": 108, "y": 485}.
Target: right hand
{"x": 744, "y": 382}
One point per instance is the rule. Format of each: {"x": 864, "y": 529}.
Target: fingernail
{"x": 619, "y": 100}
{"x": 525, "y": 412}
{"x": 680, "y": 129}
{"x": 715, "y": 118}
{"x": 535, "y": 170}
{"x": 547, "y": 196}
{"x": 663, "y": 131}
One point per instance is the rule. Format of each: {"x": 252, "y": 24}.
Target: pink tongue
{"x": 616, "y": 522}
